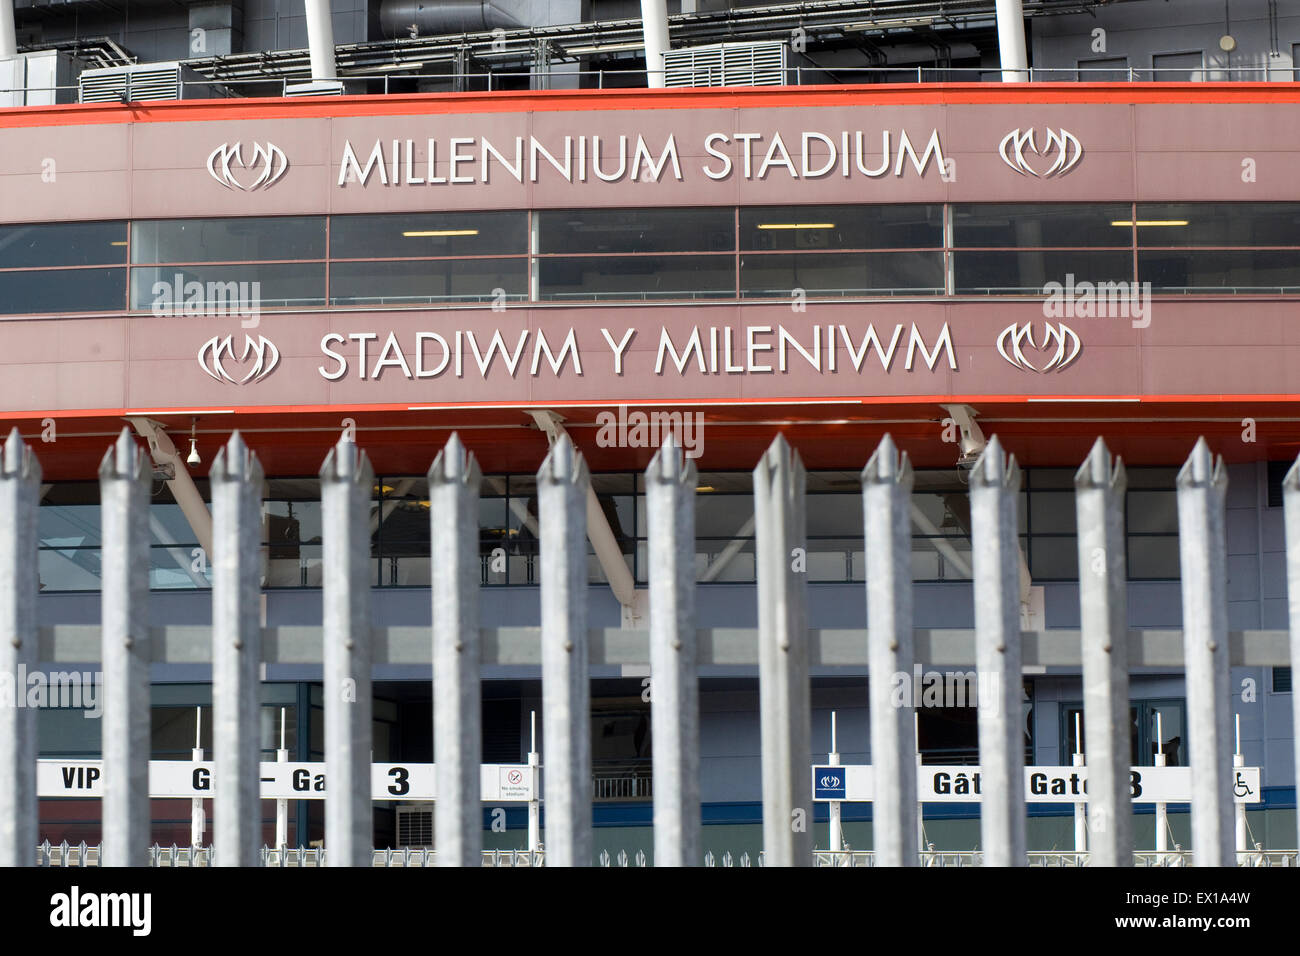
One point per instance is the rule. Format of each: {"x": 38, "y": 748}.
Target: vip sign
{"x": 938, "y": 783}
{"x": 184, "y": 779}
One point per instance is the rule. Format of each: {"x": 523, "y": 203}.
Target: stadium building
{"x": 827, "y": 221}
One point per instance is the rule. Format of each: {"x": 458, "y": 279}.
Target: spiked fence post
{"x": 124, "y": 481}
{"x": 674, "y": 684}
{"x": 346, "y": 483}
{"x": 994, "y": 487}
{"x": 566, "y": 690}
{"x": 784, "y": 696}
{"x": 887, "y": 520}
{"x": 1202, "y": 555}
{"x": 236, "y": 480}
{"x": 454, "y": 481}
{"x": 1099, "y": 487}
{"x": 20, "y": 492}
{"x": 1291, "y": 505}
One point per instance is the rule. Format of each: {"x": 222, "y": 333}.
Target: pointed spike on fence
{"x": 994, "y": 467}
{"x": 669, "y": 465}
{"x": 1100, "y": 470}
{"x": 886, "y": 465}
{"x": 1202, "y": 468}
{"x": 19, "y": 460}
{"x": 563, "y": 463}
{"x": 454, "y": 462}
{"x": 235, "y": 461}
{"x": 123, "y": 459}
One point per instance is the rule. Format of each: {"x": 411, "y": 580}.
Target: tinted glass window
{"x": 991, "y": 273}
{"x": 1221, "y": 271}
{"x": 428, "y": 234}
{"x": 63, "y": 290}
{"x": 1022, "y": 226}
{"x": 638, "y": 277}
{"x": 843, "y": 273}
{"x": 636, "y": 230}
{"x": 62, "y": 244}
{"x": 1219, "y": 224}
{"x": 222, "y": 290}
{"x": 228, "y": 240}
{"x": 842, "y": 227}
{"x": 428, "y": 281}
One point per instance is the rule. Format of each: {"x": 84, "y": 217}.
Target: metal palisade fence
{"x": 675, "y": 651}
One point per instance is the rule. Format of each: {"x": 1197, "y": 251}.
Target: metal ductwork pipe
{"x": 320, "y": 40}
{"x": 654, "y": 26}
{"x": 1011, "y": 41}
{"x": 427, "y": 18}
{"x": 8, "y": 32}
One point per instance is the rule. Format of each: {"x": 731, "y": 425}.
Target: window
{"x": 429, "y": 258}
{"x": 62, "y": 267}
{"x": 1018, "y": 249}
{"x": 264, "y": 263}
{"x": 1106, "y": 69}
{"x": 1281, "y": 680}
{"x": 636, "y": 254}
{"x": 1219, "y": 247}
{"x": 1177, "y": 67}
{"x": 1167, "y": 718}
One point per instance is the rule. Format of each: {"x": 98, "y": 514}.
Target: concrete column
{"x": 320, "y": 39}
{"x": 1011, "y": 41}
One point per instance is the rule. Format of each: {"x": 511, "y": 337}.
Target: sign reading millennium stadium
{"x": 583, "y": 158}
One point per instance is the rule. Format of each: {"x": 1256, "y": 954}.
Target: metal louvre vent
{"x": 726, "y": 64}
{"x": 415, "y": 826}
{"x": 153, "y": 81}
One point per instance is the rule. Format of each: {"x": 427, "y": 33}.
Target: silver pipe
{"x": 784, "y": 692}
{"x": 124, "y": 481}
{"x": 674, "y": 684}
{"x": 562, "y": 486}
{"x": 994, "y": 487}
{"x": 346, "y": 482}
{"x": 454, "y": 483}
{"x": 887, "y": 525}
{"x": 20, "y": 493}
{"x": 1202, "y": 554}
{"x": 1099, "y": 487}
{"x": 236, "y": 478}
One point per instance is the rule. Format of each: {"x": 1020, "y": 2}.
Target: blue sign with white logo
{"x": 829, "y": 783}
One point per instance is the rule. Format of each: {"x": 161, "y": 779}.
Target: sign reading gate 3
{"x": 501, "y": 783}
{"x": 962, "y": 784}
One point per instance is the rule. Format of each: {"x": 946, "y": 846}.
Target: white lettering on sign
{"x": 964, "y": 784}
{"x": 707, "y": 350}
{"x": 810, "y": 154}
{"x": 184, "y": 779}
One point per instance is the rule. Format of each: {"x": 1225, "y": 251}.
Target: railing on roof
{"x": 520, "y": 81}
{"x": 784, "y": 644}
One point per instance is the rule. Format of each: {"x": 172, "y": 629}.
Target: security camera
{"x": 972, "y": 441}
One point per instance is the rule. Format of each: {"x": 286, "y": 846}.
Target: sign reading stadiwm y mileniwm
{"x": 708, "y": 350}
